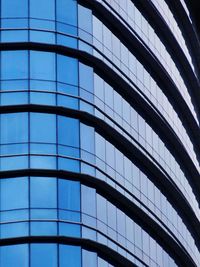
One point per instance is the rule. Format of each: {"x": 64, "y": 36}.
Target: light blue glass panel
{"x": 42, "y": 128}
{"x": 70, "y": 256}
{"x": 10, "y": 255}
{"x": 14, "y": 193}
{"x": 89, "y": 258}
{"x": 68, "y": 165}
{"x": 43, "y": 162}
{"x": 87, "y": 138}
{"x": 14, "y": 128}
{"x": 85, "y": 23}
{"x": 14, "y": 163}
{"x": 66, "y": 11}
{"x": 43, "y": 228}
{"x": 69, "y": 195}
{"x": 14, "y": 36}
{"x": 43, "y": 192}
{"x": 42, "y": 9}
{"x": 14, "y": 9}
{"x": 42, "y": 37}
{"x": 44, "y": 255}
{"x": 67, "y": 70}
{"x": 14, "y": 65}
{"x": 66, "y": 40}
{"x": 69, "y": 229}
{"x": 14, "y": 98}
{"x": 10, "y": 230}
{"x": 43, "y": 98}
{"x": 68, "y": 131}
{"x": 86, "y": 77}
{"x": 42, "y": 65}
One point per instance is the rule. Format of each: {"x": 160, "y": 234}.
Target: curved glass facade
{"x": 99, "y": 165}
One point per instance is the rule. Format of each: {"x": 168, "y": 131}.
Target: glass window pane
{"x": 14, "y": 65}
{"x": 68, "y": 131}
{"x": 67, "y": 70}
{"x": 43, "y": 192}
{"x": 44, "y": 255}
{"x": 42, "y": 65}
{"x": 14, "y": 128}
{"x": 10, "y": 255}
{"x": 16, "y": 9}
{"x": 43, "y": 128}
{"x": 14, "y": 193}
{"x": 69, "y": 194}
{"x": 42, "y": 9}
{"x": 66, "y": 11}
{"x": 70, "y": 256}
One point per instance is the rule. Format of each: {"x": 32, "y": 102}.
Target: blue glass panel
{"x": 42, "y": 37}
{"x": 66, "y": 28}
{"x": 14, "y": 163}
{"x": 69, "y": 215}
{"x": 11, "y": 85}
{"x": 14, "y": 9}
{"x": 66, "y": 11}
{"x": 70, "y": 256}
{"x": 44, "y": 255}
{"x": 66, "y": 101}
{"x": 42, "y": 9}
{"x": 47, "y": 149}
{"x": 66, "y": 40}
{"x": 43, "y": 99}
{"x": 14, "y": 36}
{"x": 68, "y": 131}
{"x": 42, "y": 65}
{"x": 42, "y": 128}
{"x": 67, "y": 70}
{"x": 14, "y": 215}
{"x": 10, "y": 255}
{"x": 68, "y": 165}
{"x": 42, "y": 162}
{"x": 43, "y": 214}
{"x": 42, "y": 24}
{"x": 43, "y": 228}
{"x": 14, "y": 65}
{"x": 69, "y": 229}
{"x": 67, "y": 89}
{"x": 43, "y": 192}
{"x": 69, "y": 194}
{"x": 15, "y": 23}
{"x": 14, "y": 128}
{"x": 14, "y": 193}
{"x": 14, "y": 98}
{"x": 14, "y": 230}
{"x": 41, "y": 85}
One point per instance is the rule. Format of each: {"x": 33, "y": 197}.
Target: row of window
{"x": 15, "y": 14}
{"x": 51, "y": 255}
{"x": 113, "y": 48}
{"x": 167, "y": 15}
{"x": 148, "y": 35}
{"x": 62, "y": 198}
{"x": 47, "y": 134}
{"x": 54, "y": 67}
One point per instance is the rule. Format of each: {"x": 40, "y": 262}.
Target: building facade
{"x": 99, "y": 134}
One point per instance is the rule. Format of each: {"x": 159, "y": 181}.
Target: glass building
{"x": 99, "y": 138}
